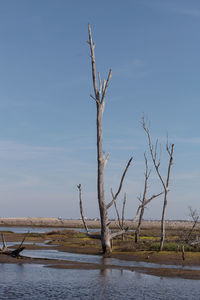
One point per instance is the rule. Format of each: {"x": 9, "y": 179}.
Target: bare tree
{"x": 165, "y": 183}
{"x": 99, "y": 97}
{"x": 143, "y": 200}
{"x": 195, "y": 217}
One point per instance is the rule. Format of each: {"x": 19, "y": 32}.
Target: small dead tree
{"x": 165, "y": 183}
{"x": 143, "y": 200}
{"x": 99, "y": 98}
{"x": 195, "y": 217}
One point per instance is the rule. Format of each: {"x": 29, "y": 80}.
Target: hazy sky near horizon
{"x": 47, "y": 119}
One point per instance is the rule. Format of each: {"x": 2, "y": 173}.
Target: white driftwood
{"x": 13, "y": 253}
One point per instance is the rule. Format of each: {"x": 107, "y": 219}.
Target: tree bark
{"x": 137, "y": 231}
{"x": 162, "y": 237}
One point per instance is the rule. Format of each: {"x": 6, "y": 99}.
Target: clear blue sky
{"x": 47, "y": 119}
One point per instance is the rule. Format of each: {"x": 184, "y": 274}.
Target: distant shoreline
{"x": 68, "y": 223}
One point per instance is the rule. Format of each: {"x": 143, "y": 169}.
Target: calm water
{"x": 26, "y": 282}
{"x": 41, "y": 229}
{"x": 54, "y": 254}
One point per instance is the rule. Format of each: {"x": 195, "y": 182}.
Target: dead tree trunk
{"x": 165, "y": 184}
{"x": 99, "y": 98}
{"x": 137, "y": 231}
{"x": 101, "y": 161}
{"x": 105, "y": 232}
{"x": 143, "y": 201}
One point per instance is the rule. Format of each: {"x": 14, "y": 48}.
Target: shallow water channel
{"x": 42, "y": 229}
{"x": 97, "y": 259}
{"x": 26, "y": 282}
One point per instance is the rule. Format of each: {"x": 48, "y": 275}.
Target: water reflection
{"x": 105, "y": 272}
{"x": 54, "y": 254}
{"x": 36, "y": 282}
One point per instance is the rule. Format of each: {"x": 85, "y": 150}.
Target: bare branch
{"x": 155, "y": 151}
{"x": 105, "y": 85}
{"x": 95, "y": 236}
{"x": 97, "y": 101}
{"x": 158, "y": 163}
{"x": 170, "y": 151}
{"x": 81, "y": 208}
{"x": 93, "y": 61}
{"x": 25, "y": 236}
{"x": 152, "y": 197}
{"x": 120, "y": 185}
{"x": 117, "y": 212}
{"x": 153, "y": 154}
{"x": 137, "y": 213}
{"x": 123, "y": 209}
{"x": 100, "y": 85}
{"x": 106, "y": 159}
{"x": 114, "y": 234}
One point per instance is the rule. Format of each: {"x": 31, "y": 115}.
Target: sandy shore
{"x": 55, "y": 222}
